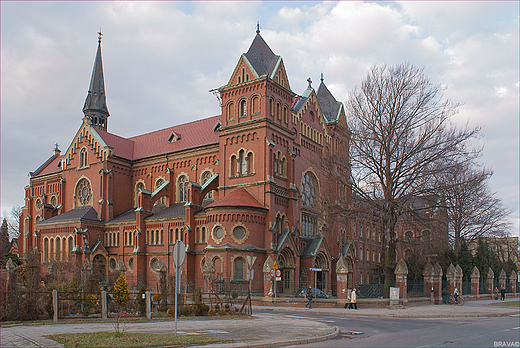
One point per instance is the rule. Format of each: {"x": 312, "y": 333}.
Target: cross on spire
{"x": 100, "y": 34}
{"x": 258, "y": 27}
{"x": 309, "y": 81}
{"x": 321, "y": 79}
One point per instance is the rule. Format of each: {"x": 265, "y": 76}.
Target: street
{"x": 358, "y": 331}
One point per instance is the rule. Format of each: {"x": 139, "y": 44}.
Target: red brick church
{"x": 244, "y": 183}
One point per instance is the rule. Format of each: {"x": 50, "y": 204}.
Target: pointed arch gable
{"x": 243, "y": 62}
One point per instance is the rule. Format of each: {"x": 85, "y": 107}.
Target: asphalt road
{"x": 417, "y": 332}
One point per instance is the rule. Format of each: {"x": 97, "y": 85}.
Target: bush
{"x": 170, "y": 312}
{"x": 186, "y": 310}
{"x": 157, "y": 297}
{"x": 217, "y": 307}
{"x": 201, "y": 309}
{"x": 141, "y": 301}
{"x": 212, "y": 312}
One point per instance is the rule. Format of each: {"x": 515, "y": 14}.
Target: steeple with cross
{"x": 95, "y": 108}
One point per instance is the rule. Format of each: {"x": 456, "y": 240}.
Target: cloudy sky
{"x": 161, "y": 59}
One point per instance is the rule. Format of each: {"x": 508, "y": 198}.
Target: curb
{"x": 329, "y": 336}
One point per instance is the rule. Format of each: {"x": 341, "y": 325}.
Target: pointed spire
{"x": 95, "y": 108}
{"x": 258, "y": 27}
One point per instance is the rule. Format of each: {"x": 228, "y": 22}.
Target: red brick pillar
{"x": 475, "y": 281}
{"x": 512, "y": 281}
{"x": 428, "y": 281}
{"x": 342, "y": 278}
{"x": 489, "y": 281}
{"x": 450, "y": 277}
{"x": 437, "y": 283}
{"x": 502, "y": 280}
{"x": 401, "y": 274}
{"x": 268, "y": 280}
{"x": 458, "y": 278}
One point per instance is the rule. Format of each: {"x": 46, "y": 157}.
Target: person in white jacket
{"x": 353, "y": 299}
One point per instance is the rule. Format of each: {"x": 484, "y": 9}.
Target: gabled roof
{"x": 261, "y": 57}
{"x": 194, "y": 134}
{"x": 312, "y": 246}
{"x": 238, "y": 198}
{"x": 52, "y": 165}
{"x": 329, "y": 105}
{"x": 75, "y": 215}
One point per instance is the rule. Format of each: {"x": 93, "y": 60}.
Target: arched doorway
{"x": 287, "y": 267}
{"x": 321, "y": 276}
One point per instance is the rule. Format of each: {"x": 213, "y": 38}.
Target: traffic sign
{"x": 278, "y": 273}
{"x": 316, "y": 269}
{"x": 275, "y": 265}
{"x": 179, "y": 253}
{"x": 272, "y": 272}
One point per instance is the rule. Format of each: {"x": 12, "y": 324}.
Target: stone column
{"x": 268, "y": 280}
{"x": 475, "y": 281}
{"x": 104, "y": 309}
{"x": 149, "y": 305}
{"x": 428, "y": 281}
{"x": 489, "y": 281}
{"x": 437, "y": 283}
{"x": 342, "y": 278}
{"x": 512, "y": 281}
{"x": 458, "y": 277}
{"x": 502, "y": 279}
{"x": 55, "y": 305}
{"x": 401, "y": 274}
{"x": 450, "y": 277}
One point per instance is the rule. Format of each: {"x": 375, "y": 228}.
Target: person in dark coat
{"x": 502, "y": 293}
{"x": 309, "y": 297}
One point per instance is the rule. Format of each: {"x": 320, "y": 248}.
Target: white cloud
{"x": 162, "y": 58}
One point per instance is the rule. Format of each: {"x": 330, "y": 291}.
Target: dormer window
{"x": 173, "y": 137}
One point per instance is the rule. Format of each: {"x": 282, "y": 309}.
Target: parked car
{"x": 314, "y": 291}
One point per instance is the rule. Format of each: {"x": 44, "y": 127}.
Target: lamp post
{"x": 84, "y": 264}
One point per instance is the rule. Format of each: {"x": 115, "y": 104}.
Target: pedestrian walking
{"x": 353, "y": 299}
{"x": 502, "y": 293}
{"x": 349, "y": 293}
{"x": 496, "y": 293}
{"x": 308, "y": 295}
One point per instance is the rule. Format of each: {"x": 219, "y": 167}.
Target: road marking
{"x": 327, "y": 321}
{"x": 296, "y": 317}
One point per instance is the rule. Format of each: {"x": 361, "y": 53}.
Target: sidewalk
{"x": 264, "y": 330}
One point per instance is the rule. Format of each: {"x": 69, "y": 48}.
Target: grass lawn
{"x": 128, "y": 339}
{"x": 507, "y": 303}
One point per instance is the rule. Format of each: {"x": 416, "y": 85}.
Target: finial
{"x": 258, "y": 27}
{"x": 309, "y": 81}
{"x": 56, "y": 146}
{"x": 321, "y": 79}
{"x": 100, "y": 34}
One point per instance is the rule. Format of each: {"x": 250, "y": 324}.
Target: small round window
{"x": 38, "y": 204}
{"x": 53, "y": 201}
{"x": 239, "y": 232}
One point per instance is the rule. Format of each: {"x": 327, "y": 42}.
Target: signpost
{"x": 179, "y": 254}
{"x": 315, "y": 282}
{"x": 250, "y": 274}
{"x": 275, "y": 269}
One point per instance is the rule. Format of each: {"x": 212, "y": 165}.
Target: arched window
{"x": 426, "y": 235}
{"x": 285, "y": 115}
{"x": 204, "y": 178}
{"x": 408, "y": 236}
{"x": 183, "y": 189}
{"x": 255, "y": 104}
{"x": 46, "y": 250}
{"x": 162, "y": 200}
{"x": 281, "y": 169}
{"x": 271, "y": 107}
{"x": 83, "y": 193}
{"x": 70, "y": 246}
{"x": 203, "y": 235}
{"x": 58, "y": 248}
{"x": 138, "y": 186}
{"x": 231, "y": 111}
{"x": 309, "y": 190}
{"x": 239, "y": 268}
{"x": 243, "y": 108}
{"x": 278, "y": 111}
{"x": 83, "y": 158}
{"x": 242, "y": 163}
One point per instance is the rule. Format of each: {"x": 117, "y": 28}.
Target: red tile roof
{"x": 51, "y": 168}
{"x": 192, "y": 134}
{"x": 238, "y": 198}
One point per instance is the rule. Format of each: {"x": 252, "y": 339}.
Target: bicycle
{"x": 460, "y": 301}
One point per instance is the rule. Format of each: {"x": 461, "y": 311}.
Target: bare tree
{"x": 473, "y": 210}
{"x": 400, "y": 130}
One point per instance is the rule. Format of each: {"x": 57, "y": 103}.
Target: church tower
{"x": 95, "y": 108}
